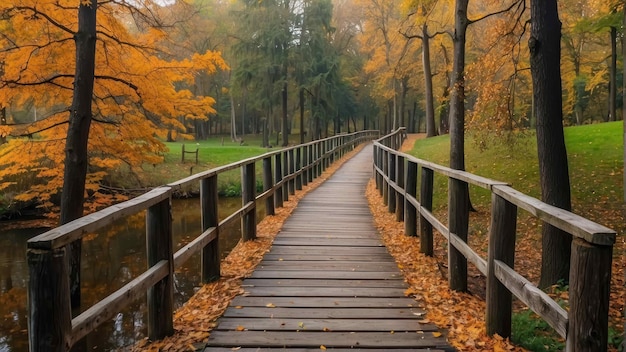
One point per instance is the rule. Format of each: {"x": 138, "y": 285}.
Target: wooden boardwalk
{"x": 328, "y": 282}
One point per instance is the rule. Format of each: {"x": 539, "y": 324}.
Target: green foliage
{"x": 533, "y": 333}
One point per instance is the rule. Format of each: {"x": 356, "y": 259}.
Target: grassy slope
{"x": 595, "y": 160}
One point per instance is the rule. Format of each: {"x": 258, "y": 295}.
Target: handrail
{"x": 586, "y": 323}
{"x": 51, "y": 326}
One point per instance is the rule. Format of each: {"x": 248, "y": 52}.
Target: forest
{"x": 300, "y": 69}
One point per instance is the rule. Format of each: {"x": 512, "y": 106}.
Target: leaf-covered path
{"x": 328, "y": 281}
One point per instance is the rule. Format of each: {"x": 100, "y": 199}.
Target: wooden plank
{"x": 569, "y": 222}
{"x": 335, "y": 313}
{"x": 74, "y": 230}
{"x": 325, "y": 291}
{"x": 533, "y": 297}
{"x": 323, "y": 283}
{"x": 322, "y": 256}
{"x": 296, "y": 274}
{"x": 324, "y": 302}
{"x": 112, "y": 304}
{"x": 317, "y": 349}
{"x": 334, "y": 265}
{"x": 328, "y": 250}
{"x": 339, "y": 242}
{"x": 289, "y": 324}
{"x": 289, "y": 339}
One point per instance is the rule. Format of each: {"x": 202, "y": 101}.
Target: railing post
{"x": 210, "y": 253}
{"x": 267, "y": 185}
{"x": 589, "y": 290}
{"x": 385, "y": 188}
{"x": 248, "y": 194}
{"x": 292, "y": 170}
{"x": 159, "y": 247}
{"x": 410, "y": 212}
{"x": 502, "y": 248}
{"x": 324, "y": 156}
{"x": 49, "y": 312}
{"x": 285, "y": 174}
{"x": 426, "y": 201}
{"x": 391, "y": 193}
{"x": 305, "y": 165}
{"x": 458, "y": 220}
{"x": 376, "y": 151}
{"x": 400, "y": 181}
{"x": 298, "y": 168}
{"x": 278, "y": 177}
{"x": 320, "y": 159}
{"x": 310, "y": 162}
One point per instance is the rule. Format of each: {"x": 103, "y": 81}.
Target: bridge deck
{"x": 328, "y": 282}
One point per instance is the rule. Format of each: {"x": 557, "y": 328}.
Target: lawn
{"x": 595, "y": 158}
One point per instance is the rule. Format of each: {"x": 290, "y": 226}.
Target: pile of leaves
{"x": 194, "y": 321}
{"x": 462, "y": 314}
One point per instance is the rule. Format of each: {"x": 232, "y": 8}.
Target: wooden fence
{"x": 584, "y": 326}
{"x": 51, "y": 326}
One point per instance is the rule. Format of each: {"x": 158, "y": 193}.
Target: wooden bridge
{"x": 327, "y": 281}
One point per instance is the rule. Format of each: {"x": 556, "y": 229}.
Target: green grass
{"x": 595, "y": 158}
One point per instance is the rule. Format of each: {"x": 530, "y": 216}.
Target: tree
{"x": 118, "y": 82}
{"x": 545, "y": 57}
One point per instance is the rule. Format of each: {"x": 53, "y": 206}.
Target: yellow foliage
{"x": 140, "y": 92}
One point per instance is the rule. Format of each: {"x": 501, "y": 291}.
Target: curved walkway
{"x": 328, "y": 282}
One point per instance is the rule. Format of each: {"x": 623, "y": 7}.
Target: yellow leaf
{"x": 323, "y": 348}
{"x": 240, "y": 328}
{"x": 436, "y": 334}
{"x": 270, "y": 305}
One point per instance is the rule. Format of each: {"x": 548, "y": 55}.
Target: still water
{"x": 111, "y": 258}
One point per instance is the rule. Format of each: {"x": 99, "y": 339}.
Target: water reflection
{"x": 111, "y": 258}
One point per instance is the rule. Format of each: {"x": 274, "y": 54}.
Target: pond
{"x": 110, "y": 259}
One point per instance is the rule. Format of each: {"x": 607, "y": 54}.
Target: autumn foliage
{"x": 140, "y": 93}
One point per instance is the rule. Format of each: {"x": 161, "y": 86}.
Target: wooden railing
{"x": 50, "y": 323}
{"x": 584, "y": 326}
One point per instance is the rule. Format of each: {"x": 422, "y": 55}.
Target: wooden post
{"x": 248, "y": 194}
{"x": 285, "y": 174}
{"x": 310, "y": 161}
{"x": 278, "y": 177}
{"x": 502, "y": 234}
{"x": 267, "y": 185}
{"x": 385, "y": 189}
{"x": 183, "y": 154}
{"x": 320, "y": 159}
{"x": 376, "y": 165}
{"x": 197, "y": 152}
{"x": 458, "y": 220}
{"x": 292, "y": 170}
{"x": 49, "y": 312}
{"x": 410, "y": 212}
{"x": 400, "y": 181}
{"x": 589, "y": 289}
{"x": 324, "y": 156}
{"x": 298, "y": 168}
{"x": 210, "y": 260}
{"x": 305, "y": 165}
{"x": 391, "y": 193}
{"x": 426, "y": 201}
{"x": 159, "y": 247}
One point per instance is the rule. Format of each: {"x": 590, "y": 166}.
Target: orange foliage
{"x": 139, "y": 92}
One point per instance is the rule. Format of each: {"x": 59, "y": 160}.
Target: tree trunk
{"x": 428, "y": 84}
{"x": 302, "y": 115}
{"x": 233, "y": 120}
{"x": 458, "y": 191}
{"x": 285, "y": 119}
{"x": 444, "y": 116}
{"x": 76, "y": 157}
{"x": 404, "y": 88}
{"x": 545, "y": 61}
{"x": 613, "y": 76}
{"x": 3, "y": 122}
